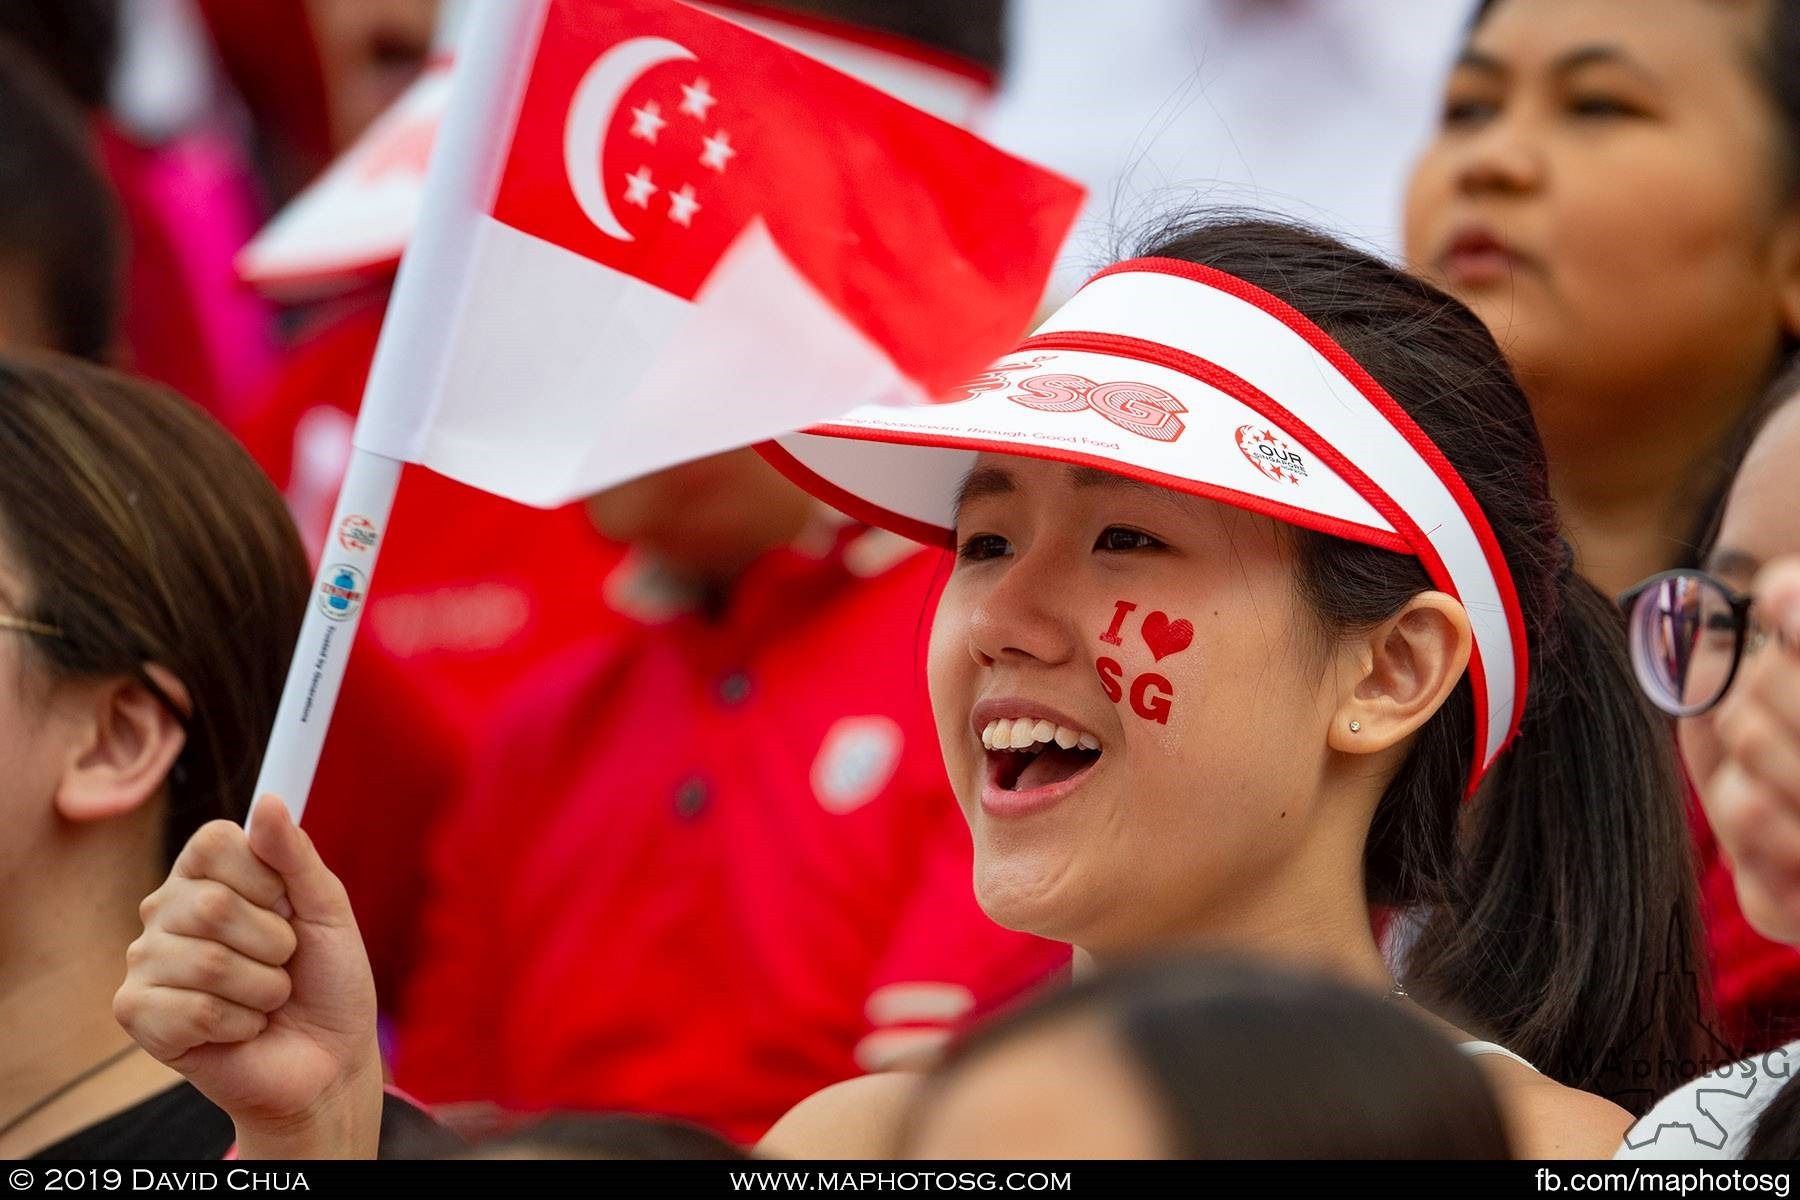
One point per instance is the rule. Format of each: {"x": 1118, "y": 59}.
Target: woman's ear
{"x": 127, "y": 744}
{"x": 1410, "y": 664}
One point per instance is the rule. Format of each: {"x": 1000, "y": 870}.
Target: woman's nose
{"x": 1505, "y": 157}
{"x": 1024, "y": 615}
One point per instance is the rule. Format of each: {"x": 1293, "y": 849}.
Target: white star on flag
{"x": 718, "y": 151}
{"x": 639, "y": 189}
{"x": 683, "y": 206}
{"x": 696, "y": 98}
{"x": 647, "y": 120}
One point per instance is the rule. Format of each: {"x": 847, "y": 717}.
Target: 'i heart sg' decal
{"x": 1166, "y": 637}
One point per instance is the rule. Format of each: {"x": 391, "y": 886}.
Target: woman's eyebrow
{"x": 984, "y": 481}
{"x": 1728, "y": 562}
{"x": 1091, "y": 477}
{"x": 1602, "y": 54}
{"x": 1479, "y": 60}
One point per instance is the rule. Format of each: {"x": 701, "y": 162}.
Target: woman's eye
{"x": 982, "y": 546}
{"x": 1117, "y": 538}
{"x": 1600, "y": 107}
{"x": 1469, "y": 111}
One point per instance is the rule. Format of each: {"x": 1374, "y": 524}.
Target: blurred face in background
{"x": 369, "y": 52}
{"x": 1065, "y": 1090}
{"x": 707, "y": 520}
{"x": 1761, "y": 524}
{"x": 1610, "y": 191}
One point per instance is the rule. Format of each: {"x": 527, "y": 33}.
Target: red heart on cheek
{"x": 1166, "y": 637}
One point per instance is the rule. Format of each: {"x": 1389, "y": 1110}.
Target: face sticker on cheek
{"x": 1110, "y": 671}
{"x": 1151, "y": 694}
{"x": 1121, "y": 610}
{"x": 1152, "y": 697}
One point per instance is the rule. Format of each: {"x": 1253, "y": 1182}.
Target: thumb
{"x": 313, "y": 891}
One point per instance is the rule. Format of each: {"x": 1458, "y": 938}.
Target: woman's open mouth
{"x": 1033, "y": 762}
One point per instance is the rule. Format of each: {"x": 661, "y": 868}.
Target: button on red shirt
{"x": 710, "y": 866}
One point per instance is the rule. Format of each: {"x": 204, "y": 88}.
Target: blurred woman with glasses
{"x": 1719, "y": 649}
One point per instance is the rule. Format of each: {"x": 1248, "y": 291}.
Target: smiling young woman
{"x": 1260, "y": 616}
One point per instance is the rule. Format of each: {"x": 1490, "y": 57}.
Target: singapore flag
{"x": 650, "y": 234}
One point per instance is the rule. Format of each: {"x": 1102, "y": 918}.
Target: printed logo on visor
{"x": 1271, "y": 455}
{"x": 996, "y": 378}
{"x": 1140, "y": 408}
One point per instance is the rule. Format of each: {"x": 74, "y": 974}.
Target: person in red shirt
{"x": 687, "y": 878}
{"x": 793, "y": 848}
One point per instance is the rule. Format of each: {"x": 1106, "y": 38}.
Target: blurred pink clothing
{"x": 190, "y": 205}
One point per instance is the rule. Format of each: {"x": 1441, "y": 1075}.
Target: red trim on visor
{"x": 870, "y": 513}
{"x": 1402, "y": 421}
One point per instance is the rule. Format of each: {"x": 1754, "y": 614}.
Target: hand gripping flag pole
{"x": 464, "y": 169}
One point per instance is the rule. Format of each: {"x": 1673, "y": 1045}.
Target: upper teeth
{"x": 1023, "y": 733}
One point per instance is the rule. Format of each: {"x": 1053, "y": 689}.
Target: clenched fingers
{"x": 169, "y": 960}
{"x": 169, "y": 1022}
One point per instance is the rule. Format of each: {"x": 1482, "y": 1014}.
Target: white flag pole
{"x": 333, "y": 613}
{"x": 489, "y": 77}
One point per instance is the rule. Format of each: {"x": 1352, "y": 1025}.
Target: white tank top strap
{"x": 1475, "y": 1048}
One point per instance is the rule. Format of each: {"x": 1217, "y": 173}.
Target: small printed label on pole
{"x": 357, "y": 534}
{"x": 341, "y": 591}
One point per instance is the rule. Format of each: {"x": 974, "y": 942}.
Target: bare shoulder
{"x": 858, "y": 1118}
{"x": 1545, "y": 1119}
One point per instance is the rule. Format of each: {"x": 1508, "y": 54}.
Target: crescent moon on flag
{"x": 597, "y": 100}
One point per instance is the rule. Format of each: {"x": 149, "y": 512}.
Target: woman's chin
{"x": 1030, "y": 894}
{"x": 1772, "y": 914}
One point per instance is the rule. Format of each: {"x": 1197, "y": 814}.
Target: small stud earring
{"x": 1356, "y": 727}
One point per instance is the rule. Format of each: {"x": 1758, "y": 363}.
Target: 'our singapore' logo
{"x": 341, "y": 594}
{"x": 1271, "y": 455}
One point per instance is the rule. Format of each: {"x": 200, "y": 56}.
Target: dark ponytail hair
{"x": 1558, "y": 910}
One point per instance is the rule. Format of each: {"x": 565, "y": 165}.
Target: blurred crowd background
{"x": 612, "y": 844}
